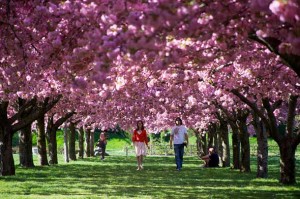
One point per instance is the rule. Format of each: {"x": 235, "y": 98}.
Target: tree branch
{"x": 252, "y": 105}
{"x": 272, "y": 124}
{"x": 291, "y": 60}
{"x": 61, "y": 120}
{"x": 24, "y": 108}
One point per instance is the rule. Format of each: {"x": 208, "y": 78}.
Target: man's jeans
{"x": 179, "y": 150}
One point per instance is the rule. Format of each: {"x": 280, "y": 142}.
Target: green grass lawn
{"x": 116, "y": 177}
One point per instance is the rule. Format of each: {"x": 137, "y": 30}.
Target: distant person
{"x": 180, "y": 139}
{"x": 102, "y": 144}
{"x": 140, "y": 141}
{"x": 211, "y": 159}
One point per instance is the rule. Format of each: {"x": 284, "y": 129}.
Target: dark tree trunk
{"x": 7, "y": 164}
{"x": 25, "y": 147}
{"x": 245, "y": 146}
{"x": 216, "y": 139}
{"x": 52, "y": 127}
{"x": 72, "y": 152}
{"x": 41, "y": 141}
{"x": 25, "y": 138}
{"x": 66, "y": 145}
{"x": 262, "y": 147}
{"x": 92, "y": 142}
{"x": 201, "y": 143}
{"x": 211, "y": 132}
{"x": 224, "y": 143}
{"x": 87, "y": 142}
{"x": 52, "y": 146}
{"x": 80, "y": 142}
{"x": 236, "y": 147}
{"x": 287, "y": 161}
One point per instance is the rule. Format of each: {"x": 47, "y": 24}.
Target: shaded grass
{"x": 116, "y": 177}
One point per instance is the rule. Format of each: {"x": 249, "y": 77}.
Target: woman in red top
{"x": 140, "y": 140}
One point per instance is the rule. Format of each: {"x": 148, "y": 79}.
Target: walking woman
{"x": 140, "y": 141}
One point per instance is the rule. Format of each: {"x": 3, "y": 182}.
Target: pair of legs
{"x": 179, "y": 150}
{"x": 139, "y": 162}
{"x": 103, "y": 152}
{"x": 206, "y": 160}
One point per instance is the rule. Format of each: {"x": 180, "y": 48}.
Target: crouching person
{"x": 211, "y": 159}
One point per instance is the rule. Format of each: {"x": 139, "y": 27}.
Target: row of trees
{"x": 100, "y": 63}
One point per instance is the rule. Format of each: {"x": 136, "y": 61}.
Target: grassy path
{"x": 116, "y": 177}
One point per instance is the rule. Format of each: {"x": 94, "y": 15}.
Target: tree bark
{"x": 52, "y": 146}
{"x": 25, "y": 147}
{"x": 216, "y": 139}
{"x": 41, "y": 141}
{"x": 92, "y": 142}
{"x": 52, "y": 127}
{"x": 80, "y": 142}
{"x": 66, "y": 147}
{"x": 224, "y": 142}
{"x": 287, "y": 162}
{"x": 25, "y": 136}
{"x": 6, "y": 154}
{"x": 201, "y": 143}
{"x": 72, "y": 151}
{"x": 87, "y": 142}
{"x": 236, "y": 145}
{"x": 211, "y": 132}
{"x": 262, "y": 147}
{"x": 245, "y": 146}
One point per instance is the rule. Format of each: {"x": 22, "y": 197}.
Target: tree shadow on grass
{"x": 117, "y": 177}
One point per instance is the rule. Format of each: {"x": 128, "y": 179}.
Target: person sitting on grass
{"x": 211, "y": 159}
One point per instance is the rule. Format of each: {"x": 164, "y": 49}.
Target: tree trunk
{"x": 41, "y": 141}
{"x": 219, "y": 150}
{"x": 66, "y": 147}
{"x": 72, "y": 152}
{"x": 236, "y": 147}
{"x": 52, "y": 128}
{"x": 92, "y": 142}
{"x": 52, "y": 147}
{"x": 200, "y": 142}
{"x": 287, "y": 161}
{"x": 262, "y": 147}
{"x": 245, "y": 146}
{"x": 224, "y": 142}
{"x": 216, "y": 140}
{"x": 211, "y": 132}
{"x": 25, "y": 147}
{"x": 87, "y": 142}
{"x": 80, "y": 142}
{"x": 7, "y": 164}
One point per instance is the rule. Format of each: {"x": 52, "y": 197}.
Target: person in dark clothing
{"x": 212, "y": 159}
{"x": 102, "y": 144}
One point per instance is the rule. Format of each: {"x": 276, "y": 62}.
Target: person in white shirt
{"x": 179, "y": 138}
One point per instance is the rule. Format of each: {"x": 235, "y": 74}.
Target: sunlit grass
{"x": 116, "y": 177}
